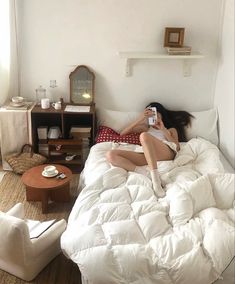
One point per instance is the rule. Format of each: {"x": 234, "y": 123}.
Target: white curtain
{"x": 9, "y": 50}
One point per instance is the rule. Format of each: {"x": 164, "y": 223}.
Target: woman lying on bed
{"x": 160, "y": 142}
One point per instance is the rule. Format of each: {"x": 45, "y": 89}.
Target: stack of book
{"x": 84, "y": 134}
{"x": 79, "y": 132}
{"x": 42, "y": 140}
{"x": 43, "y": 148}
{"x": 184, "y": 50}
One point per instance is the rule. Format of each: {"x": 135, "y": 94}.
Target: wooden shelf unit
{"x": 64, "y": 120}
{"x": 64, "y": 146}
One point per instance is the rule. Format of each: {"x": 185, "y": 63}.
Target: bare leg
{"x": 155, "y": 150}
{"x": 127, "y": 160}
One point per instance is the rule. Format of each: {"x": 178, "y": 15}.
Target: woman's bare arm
{"x": 172, "y": 136}
{"x": 139, "y": 125}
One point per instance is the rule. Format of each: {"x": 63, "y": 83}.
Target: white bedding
{"x": 118, "y": 232}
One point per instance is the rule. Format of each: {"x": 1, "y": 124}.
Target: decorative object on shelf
{"x": 174, "y": 40}
{"x": 174, "y": 37}
{"x": 40, "y": 94}
{"x": 59, "y": 149}
{"x": 56, "y": 105}
{"x": 25, "y": 160}
{"x": 54, "y": 132}
{"x": 53, "y": 84}
{"x": 82, "y": 86}
{"x": 45, "y": 103}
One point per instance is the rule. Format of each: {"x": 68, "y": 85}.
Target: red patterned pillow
{"x": 106, "y": 134}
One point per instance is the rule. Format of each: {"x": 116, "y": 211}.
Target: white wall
{"x": 224, "y": 92}
{"x": 59, "y": 35}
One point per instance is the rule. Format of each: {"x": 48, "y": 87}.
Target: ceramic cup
{"x": 57, "y": 105}
{"x": 50, "y": 170}
{"x": 45, "y": 103}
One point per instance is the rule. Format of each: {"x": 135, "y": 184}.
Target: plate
{"x": 17, "y": 104}
{"x": 45, "y": 174}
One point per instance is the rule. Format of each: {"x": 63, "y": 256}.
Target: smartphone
{"x": 152, "y": 119}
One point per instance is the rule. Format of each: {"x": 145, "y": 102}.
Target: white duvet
{"x": 119, "y": 232}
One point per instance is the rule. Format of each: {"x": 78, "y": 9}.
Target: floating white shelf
{"x": 128, "y": 56}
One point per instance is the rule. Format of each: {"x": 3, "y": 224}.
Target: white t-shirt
{"x": 156, "y": 133}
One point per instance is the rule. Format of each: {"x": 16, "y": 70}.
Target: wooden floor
{"x": 61, "y": 270}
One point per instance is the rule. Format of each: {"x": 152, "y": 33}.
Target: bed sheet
{"x": 141, "y": 239}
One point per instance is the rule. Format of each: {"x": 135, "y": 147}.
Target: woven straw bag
{"x": 25, "y": 160}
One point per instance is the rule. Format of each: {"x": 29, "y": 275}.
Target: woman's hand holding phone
{"x": 152, "y": 119}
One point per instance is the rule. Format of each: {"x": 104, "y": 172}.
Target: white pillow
{"x": 117, "y": 120}
{"x": 204, "y": 125}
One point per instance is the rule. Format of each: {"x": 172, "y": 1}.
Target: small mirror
{"x": 82, "y": 86}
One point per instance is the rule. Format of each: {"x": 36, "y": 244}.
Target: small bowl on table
{"x": 17, "y": 100}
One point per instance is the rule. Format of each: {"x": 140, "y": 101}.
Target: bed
{"x": 119, "y": 232}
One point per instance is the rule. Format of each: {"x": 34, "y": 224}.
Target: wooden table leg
{"x": 44, "y": 200}
{"x": 61, "y": 194}
{"x": 33, "y": 194}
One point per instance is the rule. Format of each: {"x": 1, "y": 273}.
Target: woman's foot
{"x": 160, "y": 192}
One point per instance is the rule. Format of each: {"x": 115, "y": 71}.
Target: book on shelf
{"x": 75, "y": 108}
{"x": 36, "y": 228}
{"x": 80, "y": 132}
{"x": 184, "y": 50}
{"x": 80, "y": 129}
{"x": 42, "y": 132}
{"x": 43, "y": 147}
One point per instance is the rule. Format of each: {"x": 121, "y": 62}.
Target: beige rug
{"x": 60, "y": 270}
{"x": 2, "y": 173}
{"x": 12, "y": 190}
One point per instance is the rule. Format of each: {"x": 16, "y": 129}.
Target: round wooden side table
{"x": 40, "y": 188}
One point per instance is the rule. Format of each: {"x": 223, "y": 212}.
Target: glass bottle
{"x": 40, "y": 94}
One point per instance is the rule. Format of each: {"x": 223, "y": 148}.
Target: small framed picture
{"x": 174, "y": 37}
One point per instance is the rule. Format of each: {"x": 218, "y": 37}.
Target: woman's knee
{"x": 145, "y": 138}
{"x": 111, "y": 156}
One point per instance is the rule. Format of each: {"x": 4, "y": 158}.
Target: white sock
{"x": 157, "y": 183}
{"x": 142, "y": 170}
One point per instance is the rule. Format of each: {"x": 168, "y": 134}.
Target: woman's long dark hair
{"x": 176, "y": 119}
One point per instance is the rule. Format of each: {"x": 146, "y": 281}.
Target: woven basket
{"x": 25, "y": 160}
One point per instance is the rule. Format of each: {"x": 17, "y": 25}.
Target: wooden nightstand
{"x": 58, "y": 149}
